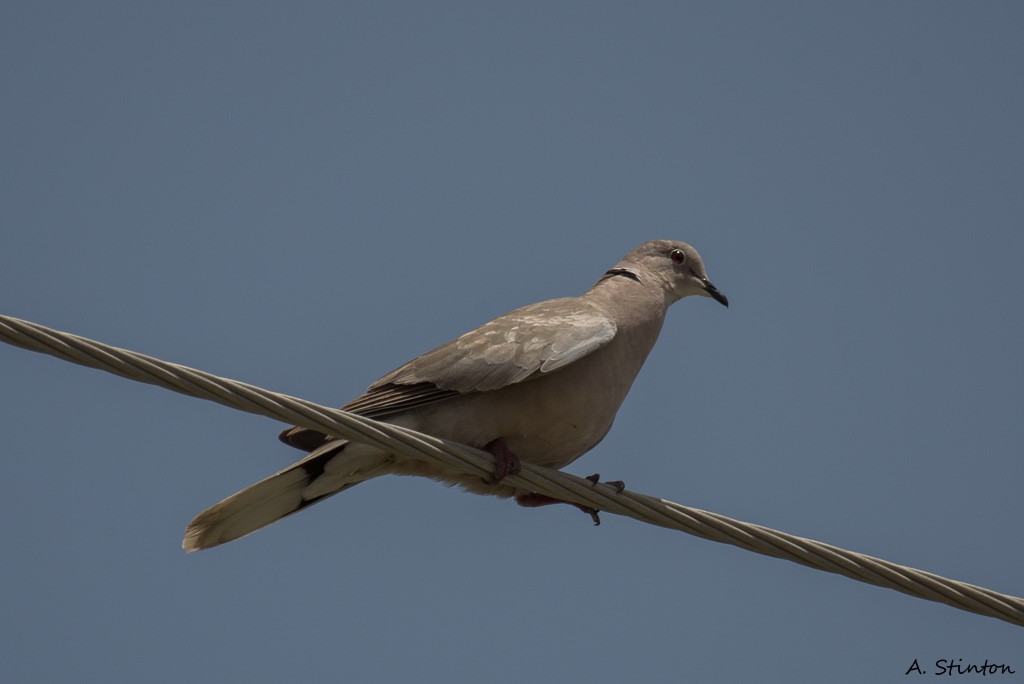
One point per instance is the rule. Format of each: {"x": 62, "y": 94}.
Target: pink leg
{"x": 508, "y": 463}
{"x": 535, "y": 500}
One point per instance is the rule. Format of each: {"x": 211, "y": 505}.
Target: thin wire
{"x": 554, "y": 483}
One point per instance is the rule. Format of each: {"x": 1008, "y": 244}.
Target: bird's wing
{"x": 523, "y": 344}
{"x": 539, "y": 338}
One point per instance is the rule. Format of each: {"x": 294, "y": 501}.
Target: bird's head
{"x": 675, "y": 265}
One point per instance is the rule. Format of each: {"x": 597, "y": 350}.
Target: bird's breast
{"x": 549, "y": 420}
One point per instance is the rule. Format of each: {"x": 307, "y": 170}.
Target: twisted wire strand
{"x": 554, "y": 483}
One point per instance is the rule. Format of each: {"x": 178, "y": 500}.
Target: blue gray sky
{"x": 306, "y": 195}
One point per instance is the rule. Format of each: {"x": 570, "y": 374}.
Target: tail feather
{"x": 332, "y": 468}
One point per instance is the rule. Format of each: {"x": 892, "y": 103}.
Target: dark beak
{"x": 715, "y": 294}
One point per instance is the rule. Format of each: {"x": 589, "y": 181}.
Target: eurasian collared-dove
{"x": 541, "y": 384}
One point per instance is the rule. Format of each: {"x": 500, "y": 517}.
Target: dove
{"x": 540, "y": 384}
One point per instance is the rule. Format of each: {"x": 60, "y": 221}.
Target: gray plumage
{"x": 545, "y": 381}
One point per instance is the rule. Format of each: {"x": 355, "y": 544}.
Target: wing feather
{"x": 539, "y": 338}
{"x": 523, "y": 344}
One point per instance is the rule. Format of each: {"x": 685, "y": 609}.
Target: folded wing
{"x": 517, "y": 347}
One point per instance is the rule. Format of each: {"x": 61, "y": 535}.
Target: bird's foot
{"x": 507, "y": 462}
{"x": 619, "y": 485}
{"x": 535, "y": 500}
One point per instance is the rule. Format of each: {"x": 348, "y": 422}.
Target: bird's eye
{"x": 678, "y": 257}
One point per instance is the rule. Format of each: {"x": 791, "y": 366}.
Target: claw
{"x": 595, "y": 480}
